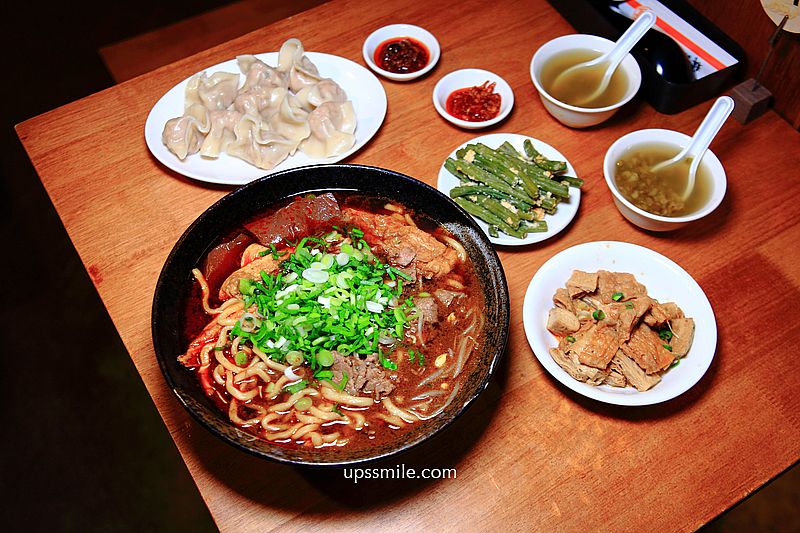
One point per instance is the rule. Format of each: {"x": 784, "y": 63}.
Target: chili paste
{"x": 402, "y": 55}
{"x": 474, "y": 104}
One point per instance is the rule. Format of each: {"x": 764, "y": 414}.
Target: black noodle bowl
{"x": 175, "y": 281}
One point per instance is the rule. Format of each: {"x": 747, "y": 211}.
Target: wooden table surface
{"x": 529, "y": 454}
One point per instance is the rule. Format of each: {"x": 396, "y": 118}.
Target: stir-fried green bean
{"x": 507, "y": 189}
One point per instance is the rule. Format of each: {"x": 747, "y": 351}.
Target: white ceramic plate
{"x": 361, "y": 86}
{"x": 472, "y": 77}
{"x": 665, "y": 281}
{"x": 565, "y": 211}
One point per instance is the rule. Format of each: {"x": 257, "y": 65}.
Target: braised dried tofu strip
{"x": 611, "y": 283}
{"x": 561, "y": 322}
{"x": 569, "y": 362}
{"x": 637, "y": 377}
{"x": 615, "y": 378}
{"x": 581, "y": 283}
{"x": 611, "y": 332}
{"x": 682, "y": 336}
{"x": 561, "y": 299}
{"x": 596, "y": 347}
{"x": 647, "y": 349}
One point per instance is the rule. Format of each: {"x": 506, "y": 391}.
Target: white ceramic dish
{"x": 472, "y": 77}
{"x": 394, "y": 31}
{"x": 565, "y": 211}
{"x": 362, "y": 87}
{"x": 642, "y": 218}
{"x": 573, "y": 116}
{"x": 665, "y": 281}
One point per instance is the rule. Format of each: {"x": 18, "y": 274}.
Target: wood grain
{"x": 529, "y": 454}
{"x": 132, "y": 57}
{"x": 750, "y": 26}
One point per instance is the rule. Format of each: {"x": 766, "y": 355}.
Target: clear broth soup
{"x": 585, "y": 82}
{"x": 660, "y": 193}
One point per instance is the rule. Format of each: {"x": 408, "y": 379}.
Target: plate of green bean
{"x": 519, "y": 189}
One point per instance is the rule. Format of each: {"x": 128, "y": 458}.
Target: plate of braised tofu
{"x": 619, "y": 323}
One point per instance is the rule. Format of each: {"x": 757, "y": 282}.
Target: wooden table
{"x": 529, "y": 454}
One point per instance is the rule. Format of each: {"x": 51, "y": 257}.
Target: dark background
{"x": 83, "y": 447}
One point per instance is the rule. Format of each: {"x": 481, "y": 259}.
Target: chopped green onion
{"x": 617, "y": 296}
{"x": 599, "y": 315}
{"x": 570, "y": 338}
{"x": 246, "y": 286}
{"x": 294, "y": 358}
{"x": 325, "y": 358}
{"x": 323, "y": 374}
{"x": 296, "y": 387}
{"x": 303, "y": 404}
{"x": 341, "y": 385}
{"x": 240, "y": 358}
{"x": 665, "y": 334}
{"x": 386, "y": 362}
{"x": 667, "y": 347}
{"x": 628, "y": 305}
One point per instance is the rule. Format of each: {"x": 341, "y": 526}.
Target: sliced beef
{"x": 633, "y": 372}
{"x": 580, "y": 283}
{"x": 251, "y": 253}
{"x": 682, "y": 336}
{"x": 405, "y": 246}
{"x": 561, "y": 322}
{"x": 303, "y": 216}
{"x": 364, "y": 376}
{"x": 224, "y": 259}
{"x": 428, "y": 308}
{"x": 647, "y": 349}
{"x": 230, "y": 287}
{"x": 446, "y": 297}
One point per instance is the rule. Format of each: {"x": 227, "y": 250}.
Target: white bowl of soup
{"x": 561, "y": 53}
{"x": 655, "y": 201}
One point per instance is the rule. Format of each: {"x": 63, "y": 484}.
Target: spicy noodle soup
{"x": 334, "y": 320}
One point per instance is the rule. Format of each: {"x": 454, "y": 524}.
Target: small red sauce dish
{"x": 402, "y": 55}
{"x": 401, "y": 52}
{"x": 474, "y": 104}
{"x": 473, "y": 98}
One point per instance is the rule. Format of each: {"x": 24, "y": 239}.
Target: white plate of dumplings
{"x": 258, "y": 114}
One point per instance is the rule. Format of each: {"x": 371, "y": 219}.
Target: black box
{"x": 596, "y": 17}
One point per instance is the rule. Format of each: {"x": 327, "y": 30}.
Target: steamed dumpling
{"x": 260, "y": 100}
{"x": 258, "y": 74}
{"x": 276, "y": 110}
{"x": 333, "y": 125}
{"x": 292, "y": 61}
{"x": 217, "y": 91}
{"x": 291, "y": 120}
{"x": 259, "y": 146}
{"x": 326, "y": 90}
{"x": 221, "y": 131}
{"x": 184, "y": 135}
